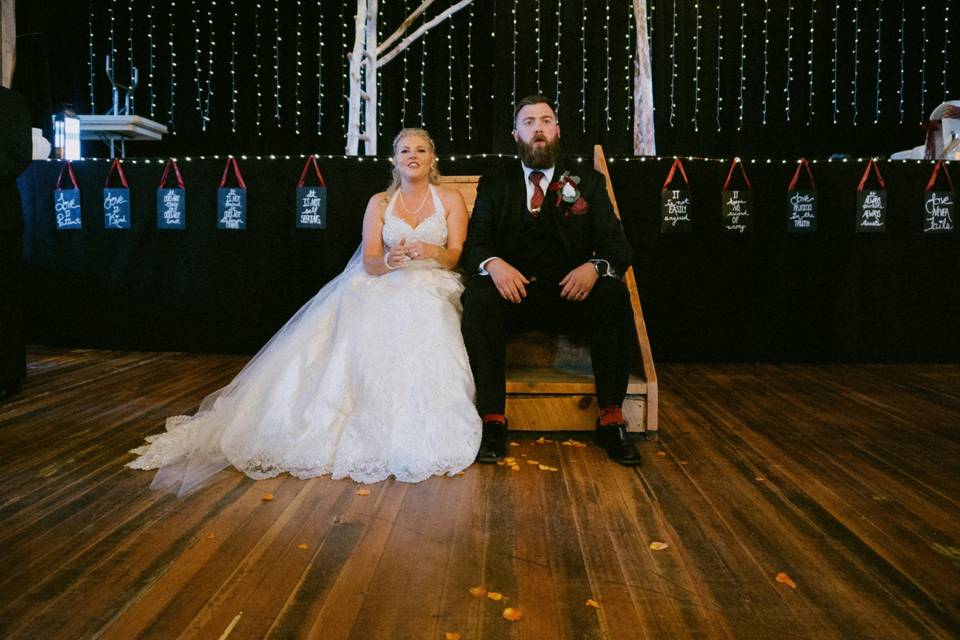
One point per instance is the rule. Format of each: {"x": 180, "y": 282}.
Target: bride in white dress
{"x": 369, "y": 378}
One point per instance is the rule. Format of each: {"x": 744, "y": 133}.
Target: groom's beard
{"x": 539, "y": 157}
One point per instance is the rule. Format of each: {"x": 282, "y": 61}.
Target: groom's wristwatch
{"x": 603, "y": 268}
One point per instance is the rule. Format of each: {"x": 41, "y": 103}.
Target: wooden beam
{"x": 8, "y": 40}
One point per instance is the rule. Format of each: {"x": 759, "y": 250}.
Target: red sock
{"x": 494, "y": 417}
{"x": 611, "y": 415}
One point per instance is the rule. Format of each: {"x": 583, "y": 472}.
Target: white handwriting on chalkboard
{"x": 171, "y": 204}
{"x": 938, "y": 207}
{"x": 737, "y": 209}
{"x": 232, "y": 209}
{"x": 801, "y": 209}
{"x": 111, "y": 207}
{"x": 872, "y": 213}
{"x": 310, "y": 207}
{"x": 65, "y": 208}
{"x": 677, "y": 210}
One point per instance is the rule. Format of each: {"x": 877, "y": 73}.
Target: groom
{"x": 545, "y": 251}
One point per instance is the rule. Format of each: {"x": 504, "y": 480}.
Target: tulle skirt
{"x": 369, "y": 379}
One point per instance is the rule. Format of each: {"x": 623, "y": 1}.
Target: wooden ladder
{"x": 549, "y": 378}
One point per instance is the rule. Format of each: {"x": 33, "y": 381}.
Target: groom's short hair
{"x": 532, "y": 100}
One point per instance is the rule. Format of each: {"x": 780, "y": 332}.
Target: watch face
{"x": 599, "y": 268}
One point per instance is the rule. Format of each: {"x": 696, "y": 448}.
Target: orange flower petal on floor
{"x": 267, "y": 497}
{"x": 211, "y": 536}
{"x": 544, "y": 467}
{"x": 512, "y": 614}
{"x": 787, "y": 580}
{"x": 592, "y": 603}
{"x": 661, "y": 454}
{"x": 514, "y": 444}
{"x": 515, "y": 467}
{"x": 495, "y": 595}
{"x": 451, "y": 635}
{"x": 532, "y": 462}
{"x": 573, "y": 443}
{"x": 303, "y": 546}
{"x": 542, "y": 440}
{"x": 509, "y": 460}
{"x": 658, "y": 546}
{"x": 363, "y": 492}
{"x": 478, "y": 591}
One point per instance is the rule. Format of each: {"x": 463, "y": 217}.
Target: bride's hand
{"x": 418, "y": 250}
{"x": 398, "y": 255}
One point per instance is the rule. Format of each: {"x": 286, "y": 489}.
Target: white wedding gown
{"x": 369, "y": 379}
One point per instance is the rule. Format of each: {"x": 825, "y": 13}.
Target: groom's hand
{"x": 578, "y": 283}
{"x": 509, "y": 281}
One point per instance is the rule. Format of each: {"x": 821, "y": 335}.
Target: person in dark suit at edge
{"x": 15, "y": 154}
{"x": 546, "y": 252}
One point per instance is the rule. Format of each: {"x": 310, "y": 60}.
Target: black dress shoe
{"x": 493, "y": 442}
{"x": 613, "y": 438}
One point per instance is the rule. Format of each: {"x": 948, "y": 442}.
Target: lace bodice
{"x": 432, "y": 229}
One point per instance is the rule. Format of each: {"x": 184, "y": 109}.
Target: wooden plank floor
{"x": 846, "y": 478}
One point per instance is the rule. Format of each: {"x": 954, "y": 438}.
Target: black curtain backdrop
{"x": 828, "y": 296}
{"x": 470, "y": 111}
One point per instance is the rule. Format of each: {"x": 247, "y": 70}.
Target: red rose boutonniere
{"x": 568, "y": 192}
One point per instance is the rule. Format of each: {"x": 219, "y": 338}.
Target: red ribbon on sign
{"x": 736, "y": 163}
{"x": 676, "y": 165}
{"x": 866, "y": 174}
{"x": 231, "y": 161}
{"x": 936, "y": 172}
{"x": 116, "y": 166}
{"x": 802, "y": 164}
{"x": 303, "y": 174}
{"x": 73, "y": 178}
{"x": 166, "y": 172}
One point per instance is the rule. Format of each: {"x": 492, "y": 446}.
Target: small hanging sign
{"x": 938, "y": 205}
{"x": 311, "y": 201}
{"x": 676, "y": 204}
{"x": 171, "y": 202}
{"x": 871, "y": 203}
{"x": 736, "y": 206}
{"x": 116, "y": 200}
{"x": 802, "y": 203}
{"x": 66, "y": 202}
{"x": 232, "y": 201}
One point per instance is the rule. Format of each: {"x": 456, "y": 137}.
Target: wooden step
{"x": 552, "y": 380}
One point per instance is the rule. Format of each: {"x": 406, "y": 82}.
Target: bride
{"x": 369, "y": 378}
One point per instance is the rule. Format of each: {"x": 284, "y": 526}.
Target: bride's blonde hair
{"x": 434, "y": 172}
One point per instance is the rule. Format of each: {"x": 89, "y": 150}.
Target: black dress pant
{"x": 13, "y": 361}
{"x": 605, "y": 316}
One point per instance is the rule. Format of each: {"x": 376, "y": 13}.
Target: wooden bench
{"x": 549, "y": 378}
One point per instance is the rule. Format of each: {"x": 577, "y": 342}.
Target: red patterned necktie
{"x": 537, "y": 200}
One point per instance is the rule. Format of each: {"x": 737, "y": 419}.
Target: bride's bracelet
{"x": 386, "y": 261}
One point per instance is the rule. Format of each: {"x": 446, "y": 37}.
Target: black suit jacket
{"x": 498, "y": 217}
{"x": 16, "y": 151}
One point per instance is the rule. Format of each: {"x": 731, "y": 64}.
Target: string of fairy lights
{"x": 851, "y": 46}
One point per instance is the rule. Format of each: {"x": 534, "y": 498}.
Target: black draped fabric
{"x": 827, "y": 296}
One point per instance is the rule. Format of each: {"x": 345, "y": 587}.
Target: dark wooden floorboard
{"x": 846, "y": 478}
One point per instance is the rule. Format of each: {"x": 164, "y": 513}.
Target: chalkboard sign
{"x": 116, "y": 200}
{"x": 938, "y": 205}
{"x": 802, "y": 203}
{"x": 66, "y": 202}
{"x": 171, "y": 202}
{"x": 311, "y": 200}
{"x": 871, "y": 211}
{"x": 871, "y": 203}
{"x": 232, "y": 201}
{"x": 736, "y": 206}
{"x": 676, "y": 204}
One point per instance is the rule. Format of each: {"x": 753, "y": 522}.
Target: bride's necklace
{"x": 414, "y": 212}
